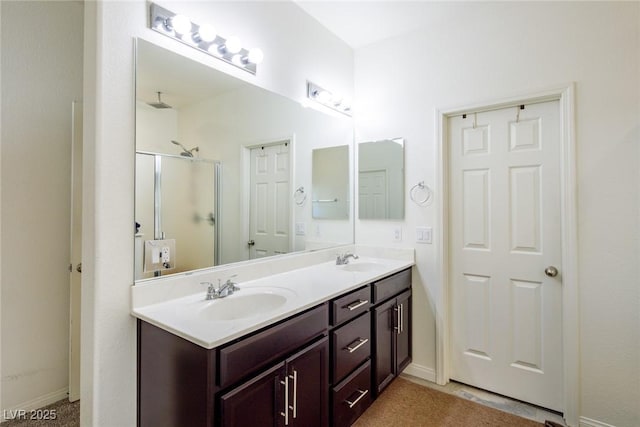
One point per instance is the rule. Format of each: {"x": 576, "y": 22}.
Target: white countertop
{"x": 303, "y": 287}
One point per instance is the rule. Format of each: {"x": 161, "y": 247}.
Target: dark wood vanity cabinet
{"x": 392, "y": 331}
{"x": 292, "y": 393}
{"x": 322, "y": 367}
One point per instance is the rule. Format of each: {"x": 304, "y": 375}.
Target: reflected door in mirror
{"x": 270, "y": 200}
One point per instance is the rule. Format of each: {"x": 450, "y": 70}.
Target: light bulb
{"x": 181, "y": 24}
{"x": 255, "y": 55}
{"x": 207, "y": 33}
{"x": 233, "y": 44}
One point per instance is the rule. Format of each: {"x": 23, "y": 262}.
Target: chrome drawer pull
{"x": 351, "y": 404}
{"x": 360, "y": 341}
{"x": 398, "y": 316}
{"x": 285, "y": 414}
{"x": 294, "y": 408}
{"x": 357, "y": 304}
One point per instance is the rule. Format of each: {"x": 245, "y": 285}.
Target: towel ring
{"x": 299, "y": 196}
{"x": 421, "y": 187}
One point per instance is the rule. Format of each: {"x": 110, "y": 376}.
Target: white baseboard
{"x": 36, "y": 403}
{"x": 588, "y": 422}
{"x": 422, "y": 372}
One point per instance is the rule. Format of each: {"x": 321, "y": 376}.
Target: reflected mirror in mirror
{"x": 217, "y": 164}
{"x": 381, "y": 179}
{"x": 330, "y": 191}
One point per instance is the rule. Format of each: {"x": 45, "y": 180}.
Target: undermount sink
{"x": 245, "y": 303}
{"x": 364, "y": 266}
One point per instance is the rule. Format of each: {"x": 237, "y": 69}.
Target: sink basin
{"x": 245, "y": 303}
{"x": 364, "y": 266}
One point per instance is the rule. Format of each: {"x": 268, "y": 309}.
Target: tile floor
{"x": 492, "y": 400}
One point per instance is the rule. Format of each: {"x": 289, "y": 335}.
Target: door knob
{"x": 79, "y": 268}
{"x": 251, "y": 243}
{"x": 551, "y": 271}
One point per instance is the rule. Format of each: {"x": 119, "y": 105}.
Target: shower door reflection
{"x": 177, "y": 198}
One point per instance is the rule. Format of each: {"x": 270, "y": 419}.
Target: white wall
{"x": 296, "y": 48}
{"x": 41, "y": 76}
{"x": 476, "y": 52}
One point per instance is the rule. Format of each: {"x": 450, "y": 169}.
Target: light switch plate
{"x": 424, "y": 235}
{"x": 300, "y": 229}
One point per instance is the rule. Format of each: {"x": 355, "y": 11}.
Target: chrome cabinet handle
{"x": 351, "y": 404}
{"x": 285, "y": 414}
{"x": 402, "y": 317}
{"x": 357, "y": 304}
{"x": 294, "y": 408}
{"x": 551, "y": 271}
{"x": 351, "y": 348}
{"x": 398, "y": 315}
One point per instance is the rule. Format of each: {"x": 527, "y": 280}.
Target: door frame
{"x": 570, "y": 321}
{"x": 245, "y": 202}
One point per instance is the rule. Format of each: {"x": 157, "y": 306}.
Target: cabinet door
{"x": 308, "y": 377}
{"x": 403, "y": 336}
{"x": 385, "y": 360}
{"x": 258, "y": 401}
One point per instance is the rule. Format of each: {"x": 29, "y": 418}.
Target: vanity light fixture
{"x": 204, "y": 38}
{"x": 328, "y": 99}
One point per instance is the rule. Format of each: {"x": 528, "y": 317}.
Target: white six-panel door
{"x": 504, "y": 232}
{"x": 373, "y": 199}
{"x": 269, "y": 224}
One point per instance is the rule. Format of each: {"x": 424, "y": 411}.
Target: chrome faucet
{"x": 344, "y": 258}
{"x": 223, "y": 290}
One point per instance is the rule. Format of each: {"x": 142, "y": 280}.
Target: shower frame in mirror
{"x": 381, "y": 179}
{"x": 247, "y": 114}
{"x": 159, "y": 208}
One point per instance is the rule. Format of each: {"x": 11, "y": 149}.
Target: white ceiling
{"x": 360, "y": 23}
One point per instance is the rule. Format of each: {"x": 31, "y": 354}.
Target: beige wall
{"x": 479, "y": 52}
{"x": 41, "y": 76}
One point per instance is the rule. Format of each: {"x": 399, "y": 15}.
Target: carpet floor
{"x": 406, "y": 404}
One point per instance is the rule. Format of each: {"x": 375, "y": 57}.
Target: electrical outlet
{"x": 159, "y": 255}
{"x": 397, "y": 234}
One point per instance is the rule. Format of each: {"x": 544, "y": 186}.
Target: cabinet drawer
{"x": 351, "y": 346}
{"x": 251, "y": 354}
{"x": 391, "y": 286}
{"x": 352, "y": 396}
{"x": 350, "y": 305}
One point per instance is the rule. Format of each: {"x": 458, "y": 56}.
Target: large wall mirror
{"x": 224, "y": 169}
{"x": 381, "y": 179}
